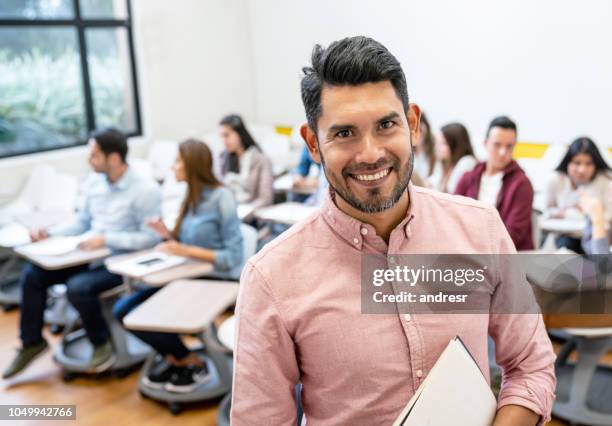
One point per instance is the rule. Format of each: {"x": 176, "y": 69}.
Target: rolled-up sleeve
{"x": 522, "y": 347}
{"x": 265, "y": 365}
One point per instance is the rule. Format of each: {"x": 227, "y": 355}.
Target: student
{"x": 500, "y": 182}
{"x": 582, "y": 170}
{"x": 115, "y": 208}
{"x": 424, "y": 155}
{"x": 454, "y": 157}
{"x": 207, "y": 229}
{"x": 299, "y": 308}
{"x": 245, "y": 168}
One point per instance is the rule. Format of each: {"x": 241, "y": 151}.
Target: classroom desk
{"x": 190, "y": 269}
{"x": 285, "y": 213}
{"x": 73, "y": 258}
{"x": 18, "y": 233}
{"x": 562, "y": 226}
{"x": 226, "y": 332}
{"x": 183, "y": 306}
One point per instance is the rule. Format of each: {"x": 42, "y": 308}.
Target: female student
{"x": 207, "y": 229}
{"x": 454, "y": 155}
{"x": 424, "y": 156}
{"x": 582, "y": 170}
{"x": 244, "y": 167}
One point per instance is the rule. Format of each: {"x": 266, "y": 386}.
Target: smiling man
{"x": 299, "y": 316}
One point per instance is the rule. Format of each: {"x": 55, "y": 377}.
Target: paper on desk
{"x": 54, "y": 246}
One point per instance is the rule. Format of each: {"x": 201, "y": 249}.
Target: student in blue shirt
{"x": 207, "y": 229}
{"x": 117, "y": 203}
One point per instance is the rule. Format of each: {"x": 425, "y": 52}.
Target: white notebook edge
{"x": 412, "y": 402}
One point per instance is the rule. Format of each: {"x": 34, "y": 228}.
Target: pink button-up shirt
{"x": 299, "y": 320}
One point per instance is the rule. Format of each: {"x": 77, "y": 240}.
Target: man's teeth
{"x": 375, "y": 176}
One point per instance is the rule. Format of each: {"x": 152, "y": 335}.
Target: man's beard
{"x": 376, "y": 202}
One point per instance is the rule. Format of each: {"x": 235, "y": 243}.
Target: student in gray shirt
{"x": 116, "y": 206}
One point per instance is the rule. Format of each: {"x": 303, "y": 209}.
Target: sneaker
{"x": 102, "y": 358}
{"x": 24, "y": 357}
{"x": 159, "y": 376}
{"x": 187, "y": 379}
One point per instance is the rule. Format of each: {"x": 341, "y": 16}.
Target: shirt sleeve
{"x": 522, "y": 347}
{"x": 265, "y": 365}
{"x": 230, "y": 255}
{"x": 146, "y": 205}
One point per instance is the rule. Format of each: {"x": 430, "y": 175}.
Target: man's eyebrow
{"x": 391, "y": 116}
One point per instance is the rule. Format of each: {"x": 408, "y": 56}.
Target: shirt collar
{"x": 123, "y": 182}
{"x": 353, "y": 231}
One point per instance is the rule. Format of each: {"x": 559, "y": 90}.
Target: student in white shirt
{"x": 454, "y": 155}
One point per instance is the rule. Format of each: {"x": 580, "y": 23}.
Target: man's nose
{"x": 370, "y": 151}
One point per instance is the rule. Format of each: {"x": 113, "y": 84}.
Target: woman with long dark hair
{"x": 581, "y": 171}
{"x": 245, "y": 168}
{"x": 207, "y": 229}
{"x": 454, "y": 155}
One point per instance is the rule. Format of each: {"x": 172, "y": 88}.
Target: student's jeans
{"x": 84, "y": 285}
{"x": 163, "y": 343}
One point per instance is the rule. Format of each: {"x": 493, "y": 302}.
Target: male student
{"x": 500, "y": 182}
{"x": 299, "y": 310}
{"x": 115, "y": 208}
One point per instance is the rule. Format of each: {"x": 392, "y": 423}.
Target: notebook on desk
{"x": 454, "y": 392}
{"x": 147, "y": 263}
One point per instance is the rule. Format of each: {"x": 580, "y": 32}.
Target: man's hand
{"x": 38, "y": 234}
{"x": 93, "y": 243}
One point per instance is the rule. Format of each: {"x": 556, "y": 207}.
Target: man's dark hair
{"x": 350, "y": 61}
{"x": 111, "y": 140}
{"x": 503, "y": 122}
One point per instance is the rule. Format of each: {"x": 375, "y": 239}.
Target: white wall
{"x": 546, "y": 63}
{"x": 195, "y": 64}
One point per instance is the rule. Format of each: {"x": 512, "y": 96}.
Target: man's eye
{"x": 387, "y": 124}
{"x": 344, "y": 133}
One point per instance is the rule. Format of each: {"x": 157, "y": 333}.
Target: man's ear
{"x": 414, "y": 122}
{"x": 310, "y": 139}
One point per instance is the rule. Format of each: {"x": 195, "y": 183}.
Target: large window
{"x": 66, "y": 68}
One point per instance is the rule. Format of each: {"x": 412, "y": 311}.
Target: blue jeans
{"x": 163, "y": 343}
{"x": 83, "y": 288}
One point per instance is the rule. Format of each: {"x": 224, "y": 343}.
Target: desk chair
{"x": 75, "y": 349}
{"x": 185, "y": 317}
{"x": 584, "y": 394}
{"x": 10, "y": 268}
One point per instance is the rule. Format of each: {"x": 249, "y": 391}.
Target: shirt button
{"x": 364, "y": 231}
{"x": 392, "y": 259}
{"x": 419, "y": 373}
{"x": 356, "y": 241}
{"x": 407, "y": 317}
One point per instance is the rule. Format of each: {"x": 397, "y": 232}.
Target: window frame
{"x": 81, "y": 24}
